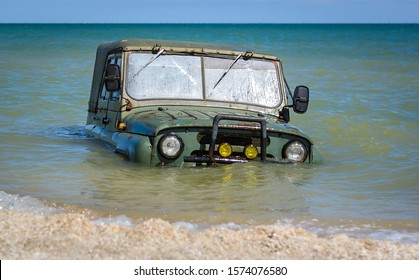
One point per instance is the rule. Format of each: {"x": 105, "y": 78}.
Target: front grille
{"x": 236, "y": 135}
{"x": 235, "y": 139}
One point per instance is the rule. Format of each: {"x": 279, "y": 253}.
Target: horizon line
{"x": 214, "y": 23}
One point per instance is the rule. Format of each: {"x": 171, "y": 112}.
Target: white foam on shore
{"x": 19, "y": 203}
{"x": 202, "y": 227}
{"x": 121, "y": 220}
{"x": 361, "y": 231}
{"x": 365, "y": 233}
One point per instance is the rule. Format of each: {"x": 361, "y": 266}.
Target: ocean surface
{"x": 363, "y": 116}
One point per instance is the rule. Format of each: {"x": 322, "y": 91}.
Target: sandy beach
{"x": 75, "y": 236}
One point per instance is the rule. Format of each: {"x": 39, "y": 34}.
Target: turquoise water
{"x": 363, "y": 116}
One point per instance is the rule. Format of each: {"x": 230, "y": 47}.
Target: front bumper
{"x": 208, "y": 160}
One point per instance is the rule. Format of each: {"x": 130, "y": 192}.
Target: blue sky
{"x": 210, "y": 11}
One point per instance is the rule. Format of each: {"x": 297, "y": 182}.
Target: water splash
{"x": 19, "y": 203}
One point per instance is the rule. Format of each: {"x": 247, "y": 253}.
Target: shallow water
{"x": 362, "y": 116}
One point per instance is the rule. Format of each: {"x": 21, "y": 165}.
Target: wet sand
{"x": 74, "y": 236}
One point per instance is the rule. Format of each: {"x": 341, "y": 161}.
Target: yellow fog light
{"x": 251, "y": 152}
{"x": 225, "y": 150}
{"x": 122, "y": 126}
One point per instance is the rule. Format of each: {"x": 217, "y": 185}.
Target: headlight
{"x": 170, "y": 146}
{"x": 295, "y": 151}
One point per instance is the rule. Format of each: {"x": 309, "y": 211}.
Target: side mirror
{"x": 112, "y": 78}
{"x": 300, "y": 99}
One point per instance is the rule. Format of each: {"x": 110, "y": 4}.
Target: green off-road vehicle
{"x": 175, "y": 103}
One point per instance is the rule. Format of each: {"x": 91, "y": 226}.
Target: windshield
{"x": 249, "y": 81}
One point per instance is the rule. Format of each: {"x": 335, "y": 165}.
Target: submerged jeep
{"x": 172, "y": 103}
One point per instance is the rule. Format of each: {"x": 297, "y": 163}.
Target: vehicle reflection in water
{"x": 244, "y": 193}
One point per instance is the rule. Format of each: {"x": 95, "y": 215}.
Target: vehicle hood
{"x": 152, "y": 121}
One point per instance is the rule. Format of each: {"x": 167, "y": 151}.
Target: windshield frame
{"x": 203, "y": 85}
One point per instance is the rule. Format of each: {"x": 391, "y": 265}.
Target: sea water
{"x": 363, "y": 117}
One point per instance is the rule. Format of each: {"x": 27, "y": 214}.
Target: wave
{"x": 18, "y": 203}
{"x": 69, "y": 132}
{"x": 15, "y": 202}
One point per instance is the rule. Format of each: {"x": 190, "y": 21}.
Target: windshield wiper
{"x": 228, "y": 69}
{"x": 149, "y": 62}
